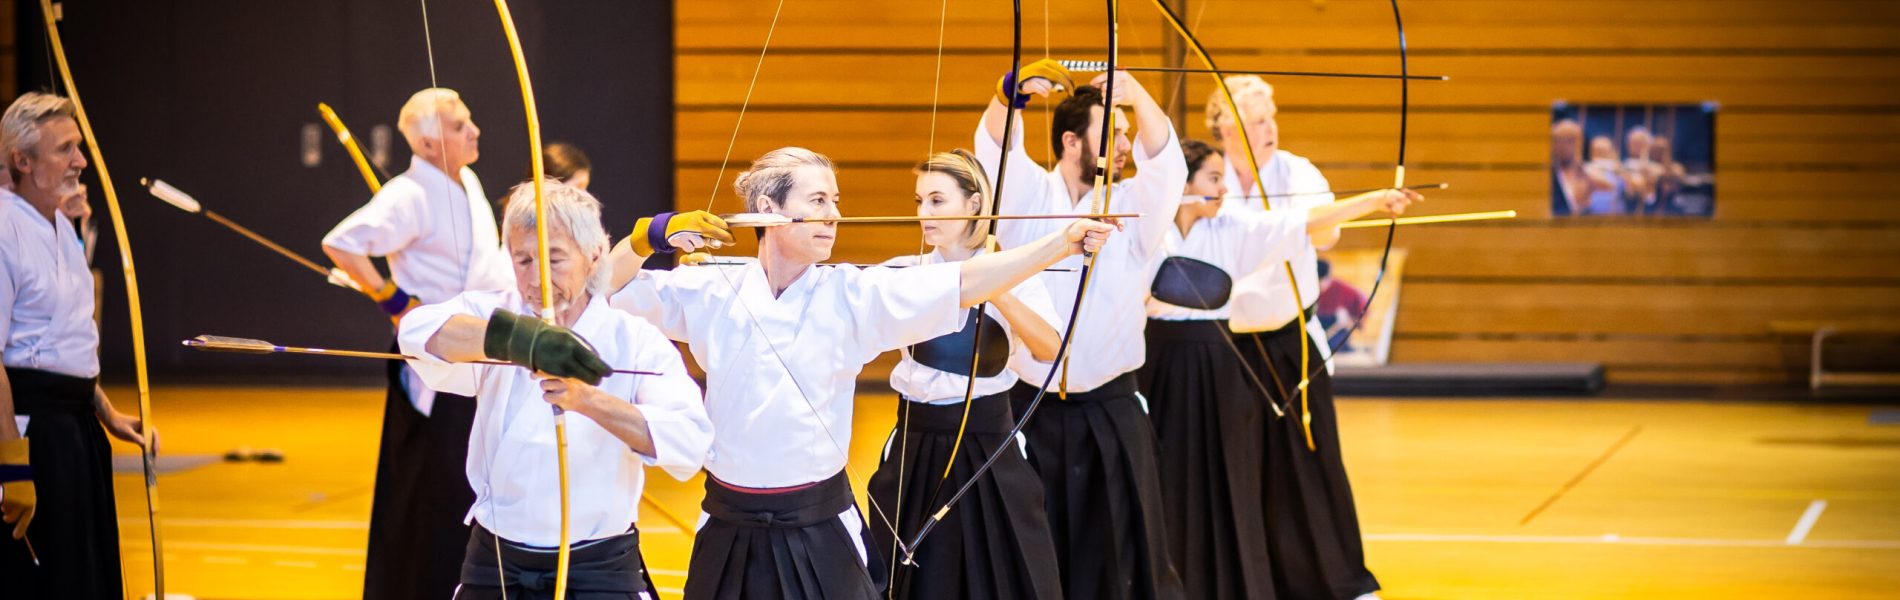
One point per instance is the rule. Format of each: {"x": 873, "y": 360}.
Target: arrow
{"x": 219, "y": 343}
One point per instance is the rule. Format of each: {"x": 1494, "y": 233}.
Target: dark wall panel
{"x": 212, "y": 96}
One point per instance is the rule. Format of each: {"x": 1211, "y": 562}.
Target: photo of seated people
{"x": 1632, "y": 159}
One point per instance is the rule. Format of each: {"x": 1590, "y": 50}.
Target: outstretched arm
{"x": 1322, "y": 222}
{"x": 984, "y": 277}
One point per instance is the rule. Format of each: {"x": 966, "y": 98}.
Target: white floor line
{"x": 301, "y": 564}
{"x": 224, "y": 560}
{"x": 668, "y": 572}
{"x": 1806, "y": 524}
{"x": 1628, "y": 541}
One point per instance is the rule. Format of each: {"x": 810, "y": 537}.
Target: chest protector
{"x": 951, "y": 353}
{"x": 1190, "y": 283}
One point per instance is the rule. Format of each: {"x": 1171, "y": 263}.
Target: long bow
{"x": 538, "y": 172}
{"x": 146, "y": 457}
{"x": 1103, "y": 181}
{"x": 1220, "y": 82}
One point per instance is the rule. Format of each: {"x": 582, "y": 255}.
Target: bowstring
{"x": 904, "y": 422}
{"x": 428, "y": 44}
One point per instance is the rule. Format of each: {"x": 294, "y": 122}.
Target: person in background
{"x": 567, "y": 164}
{"x": 1340, "y": 307}
{"x": 434, "y": 224}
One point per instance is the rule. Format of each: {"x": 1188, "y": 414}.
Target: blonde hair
{"x": 570, "y": 209}
{"x": 1250, "y": 93}
{"x": 20, "y": 127}
{"x": 421, "y": 116}
{"x": 771, "y": 175}
{"x": 963, "y": 168}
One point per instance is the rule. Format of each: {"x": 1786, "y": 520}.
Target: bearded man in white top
{"x": 1091, "y": 440}
{"x": 55, "y": 462}
{"x": 1312, "y": 526}
{"x": 438, "y": 232}
{"x": 617, "y": 423}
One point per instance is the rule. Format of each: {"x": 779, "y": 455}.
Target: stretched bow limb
{"x": 538, "y": 172}
{"x": 50, "y": 14}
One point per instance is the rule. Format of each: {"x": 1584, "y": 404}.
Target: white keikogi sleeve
{"x": 1033, "y": 293}
{"x": 8, "y": 286}
{"x": 1267, "y": 239}
{"x": 391, "y": 221}
{"x": 424, "y": 321}
{"x": 662, "y": 298}
{"x": 900, "y": 307}
{"x": 1022, "y": 192}
{"x": 1302, "y": 176}
{"x": 674, "y": 409}
{"x": 1155, "y": 192}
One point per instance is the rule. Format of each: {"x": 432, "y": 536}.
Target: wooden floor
{"x": 1624, "y": 499}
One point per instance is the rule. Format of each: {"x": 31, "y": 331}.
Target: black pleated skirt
{"x": 1312, "y": 525}
{"x": 416, "y": 534}
{"x": 995, "y": 543}
{"x": 603, "y": 569}
{"x": 75, "y": 530}
{"x": 1208, "y": 415}
{"x": 790, "y": 546}
{"x": 1095, "y": 453}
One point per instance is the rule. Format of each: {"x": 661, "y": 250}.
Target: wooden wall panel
{"x": 1808, "y": 142}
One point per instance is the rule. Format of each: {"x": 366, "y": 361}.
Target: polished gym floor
{"x": 1459, "y": 499}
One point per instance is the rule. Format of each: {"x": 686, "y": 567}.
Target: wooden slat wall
{"x": 1808, "y": 144}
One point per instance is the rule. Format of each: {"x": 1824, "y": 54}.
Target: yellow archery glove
{"x": 18, "y": 498}
{"x": 1045, "y": 69}
{"x": 694, "y": 259}
{"x": 691, "y": 231}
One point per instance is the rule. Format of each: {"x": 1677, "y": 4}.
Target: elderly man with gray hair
{"x": 55, "y": 461}
{"x": 618, "y": 422}
{"x": 434, "y": 224}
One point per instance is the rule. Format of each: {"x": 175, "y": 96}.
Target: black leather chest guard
{"x": 951, "y": 353}
{"x": 1191, "y": 283}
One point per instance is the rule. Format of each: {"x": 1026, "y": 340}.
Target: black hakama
{"x": 603, "y": 569}
{"x": 416, "y": 534}
{"x": 995, "y": 543}
{"x": 789, "y": 545}
{"x": 1095, "y": 453}
{"x": 1207, "y": 422}
{"x": 1312, "y": 526}
{"x": 75, "y": 530}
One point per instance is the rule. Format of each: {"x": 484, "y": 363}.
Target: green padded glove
{"x": 533, "y": 343}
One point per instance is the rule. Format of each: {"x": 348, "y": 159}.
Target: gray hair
{"x": 421, "y": 116}
{"x": 771, "y": 175}
{"x": 20, "y": 126}
{"x": 569, "y": 209}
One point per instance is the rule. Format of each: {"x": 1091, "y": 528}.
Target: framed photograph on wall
{"x": 1632, "y": 159}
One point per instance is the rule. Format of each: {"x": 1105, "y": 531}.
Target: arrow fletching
{"x": 756, "y": 220}
{"x": 219, "y": 343}
{"x": 171, "y": 195}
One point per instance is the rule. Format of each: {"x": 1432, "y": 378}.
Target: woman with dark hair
{"x": 1207, "y": 416}
{"x": 567, "y": 164}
